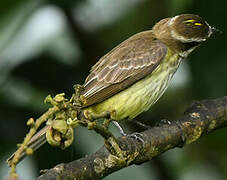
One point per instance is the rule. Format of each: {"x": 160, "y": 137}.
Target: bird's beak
{"x": 215, "y": 31}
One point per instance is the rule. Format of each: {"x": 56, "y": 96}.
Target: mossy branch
{"x": 200, "y": 119}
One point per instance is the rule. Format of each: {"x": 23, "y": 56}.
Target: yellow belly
{"x": 140, "y": 96}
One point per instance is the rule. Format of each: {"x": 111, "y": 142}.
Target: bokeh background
{"x": 47, "y": 46}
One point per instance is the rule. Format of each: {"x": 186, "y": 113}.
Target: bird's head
{"x": 183, "y": 32}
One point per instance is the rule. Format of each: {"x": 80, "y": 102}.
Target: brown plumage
{"x": 129, "y": 62}
{"x": 139, "y": 55}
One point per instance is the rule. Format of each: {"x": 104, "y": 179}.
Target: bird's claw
{"x": 137, "y": 136}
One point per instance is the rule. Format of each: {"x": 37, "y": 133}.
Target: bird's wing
{"x": 129, "y": 62}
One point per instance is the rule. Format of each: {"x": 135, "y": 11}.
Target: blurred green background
{"x": 47, "y": 46}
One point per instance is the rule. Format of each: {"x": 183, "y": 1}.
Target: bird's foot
{"x": 119, "y": 128}
{"x": 137, "y": 136}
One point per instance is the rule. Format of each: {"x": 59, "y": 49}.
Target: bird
{"x": 134, "y": 75}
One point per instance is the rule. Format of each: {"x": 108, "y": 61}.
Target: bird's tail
{"x": 35, "y": 143}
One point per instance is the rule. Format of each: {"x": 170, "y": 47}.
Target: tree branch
{"x": 200, "y": 119}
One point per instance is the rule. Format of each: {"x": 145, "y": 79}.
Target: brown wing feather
{"x": 132, "y": 60}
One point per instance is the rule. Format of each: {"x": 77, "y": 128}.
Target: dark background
{"x": 48, "y": 46}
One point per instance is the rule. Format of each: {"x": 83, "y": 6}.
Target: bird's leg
{"x": 119, "y": 128}
{"x": 136, "y": 135}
